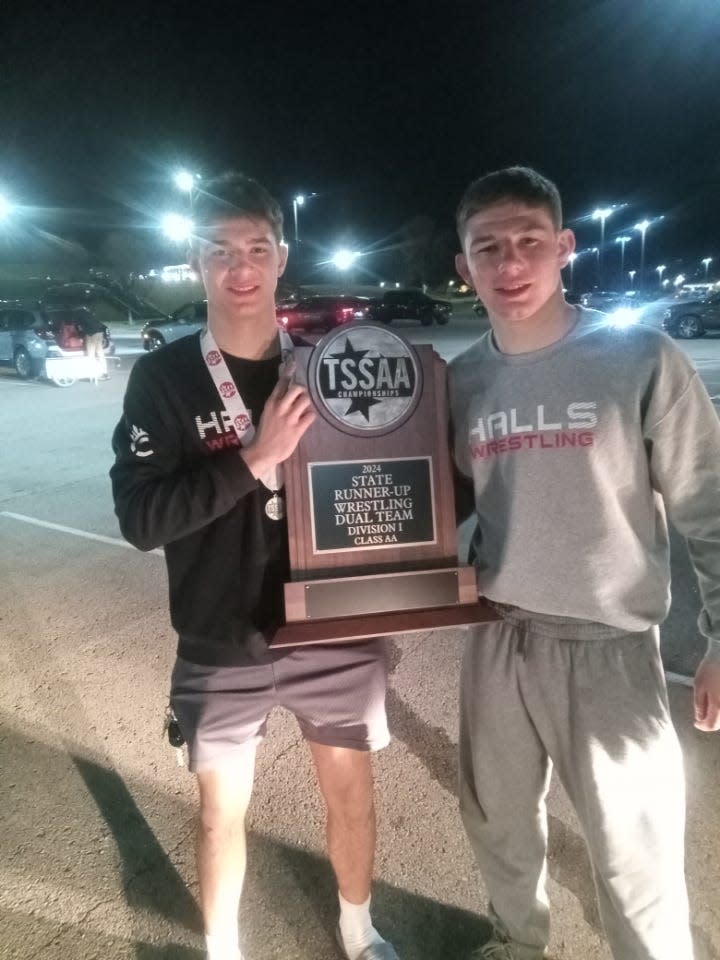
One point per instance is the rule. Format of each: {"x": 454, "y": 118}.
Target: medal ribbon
{"x": 230, "y": 395}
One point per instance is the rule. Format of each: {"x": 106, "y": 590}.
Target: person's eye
{"x": 530, "y": 241}
{"x": 490, "y": 248}
{"x": 219, "y": 253}
{"x": 260, "y": 251}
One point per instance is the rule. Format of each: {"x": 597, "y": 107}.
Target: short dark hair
{"x": 512, "y": 183}
{"x": 233, "y": 195}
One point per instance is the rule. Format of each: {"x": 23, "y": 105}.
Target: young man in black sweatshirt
{"x": 208, "y": 421}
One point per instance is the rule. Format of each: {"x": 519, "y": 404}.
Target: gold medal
{"x": 275, "y": 507}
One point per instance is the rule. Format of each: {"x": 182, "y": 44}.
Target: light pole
{"x": 298, "y": 201}
{"x": 706, "y": 263}
{"x": 571, "y": 260}
{"x": 660, "y": 270}
{"x": 622, "y": 241}
{"x": 631, "y": 274}
{"x": 596, "y": 251}
{"x": 642, "y": 227}
{"x": 601, "y": 214}
{"x": 186, "y": 183}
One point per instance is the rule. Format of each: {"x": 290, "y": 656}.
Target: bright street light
{"x": 184, "y": 181}
{"x": 6, "y": 207}
{"x": 706, "y": 263}
{"x": 660, "y": 270}
{"x": 601, "y": 214}
{"x": 622, "y": 241}
{"x": 177, "y": 227}
{"x": 679, "y": 280}
{"x": 631, "y": 274}
{"x": 344, "y": 259}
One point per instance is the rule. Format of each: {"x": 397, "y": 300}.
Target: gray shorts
{"x": 336, "y": 692}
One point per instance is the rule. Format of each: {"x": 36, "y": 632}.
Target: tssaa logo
{"x": 366, "y": 378}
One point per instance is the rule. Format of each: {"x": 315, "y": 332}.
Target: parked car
{"x": 37, "y": 340}
{"x": 187, "y": 319}
{"x": 410, "y": 305}
{"x": 688, "y": 319}
{"x": 323, "y": 312}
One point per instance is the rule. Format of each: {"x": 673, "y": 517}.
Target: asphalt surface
{"x": 96, "y": 857}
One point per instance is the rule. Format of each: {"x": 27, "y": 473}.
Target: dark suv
{"x": 323, "y": 313}
{"x": 410, "y": 305}
{"x": 31, "y": 334}
{"x": 693, "y": 318}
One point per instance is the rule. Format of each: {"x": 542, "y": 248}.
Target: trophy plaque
{"x": 369, "y": 488}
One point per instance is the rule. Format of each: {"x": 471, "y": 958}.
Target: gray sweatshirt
{"x": 576, "y": 452}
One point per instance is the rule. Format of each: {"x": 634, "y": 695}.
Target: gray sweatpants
{"x": 538, "y": 692}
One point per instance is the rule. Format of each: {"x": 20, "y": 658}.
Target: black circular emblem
{"x": 364, "y": 379}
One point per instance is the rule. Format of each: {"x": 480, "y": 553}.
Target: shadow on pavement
{"x": 149, "y": 878}
{"x": 125, "y": 897}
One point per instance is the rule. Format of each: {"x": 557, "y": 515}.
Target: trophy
{"x": 369, "y": 488}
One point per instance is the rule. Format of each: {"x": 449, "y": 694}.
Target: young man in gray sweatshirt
{"x": 577, "y": 441}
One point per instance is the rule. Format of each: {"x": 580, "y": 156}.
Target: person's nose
{"x": 238, "y": 261}
{"x": 509, "y": 260}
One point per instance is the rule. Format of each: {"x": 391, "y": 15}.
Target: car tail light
{"x": 283, "y": 320}
{"x": 344, "y": 314}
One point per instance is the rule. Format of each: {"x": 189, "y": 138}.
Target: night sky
{"x": 386, "y": 111}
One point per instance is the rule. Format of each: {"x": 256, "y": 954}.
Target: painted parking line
{"x": 113, "y": 541}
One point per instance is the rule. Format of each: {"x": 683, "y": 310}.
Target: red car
{"x": 322, "y": 313}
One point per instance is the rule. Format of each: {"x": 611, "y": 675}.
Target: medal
{"x": 275, "y": 507}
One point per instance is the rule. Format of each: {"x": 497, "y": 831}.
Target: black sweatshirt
{"x": 179, "y": 482}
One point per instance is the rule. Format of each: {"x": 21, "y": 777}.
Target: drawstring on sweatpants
{"x": 522, "y": 629}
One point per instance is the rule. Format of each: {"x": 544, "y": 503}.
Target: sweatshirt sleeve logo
{"x": 140, "y": 442}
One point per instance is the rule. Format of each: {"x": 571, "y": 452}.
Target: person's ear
{"x": 282, "y": 257}
{"x": 461, "y": 265}
{"x": 566, "y": 246}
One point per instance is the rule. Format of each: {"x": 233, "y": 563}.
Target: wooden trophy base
{"x": 347, "y": 609}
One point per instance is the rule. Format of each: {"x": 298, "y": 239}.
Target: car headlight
{"x": 623, "y": 317}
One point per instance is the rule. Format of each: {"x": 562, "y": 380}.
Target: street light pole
{"x": 571, "y": 260}
{"x": 631, "y": 274}
{"x": 660, "y": 270}
{"x": 706, "y": 263}
{"x": 642, "y": 227}
{"x": 298, "y": 201}
{"x": 601, "y": 214}
{"x": 622, "y": 241}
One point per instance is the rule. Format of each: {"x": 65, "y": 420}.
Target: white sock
{"x": 223, "y": 945}
{"x": 356, "y": 927}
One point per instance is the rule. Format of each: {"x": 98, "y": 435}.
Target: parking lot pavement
{"x": 96, "y": 845}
